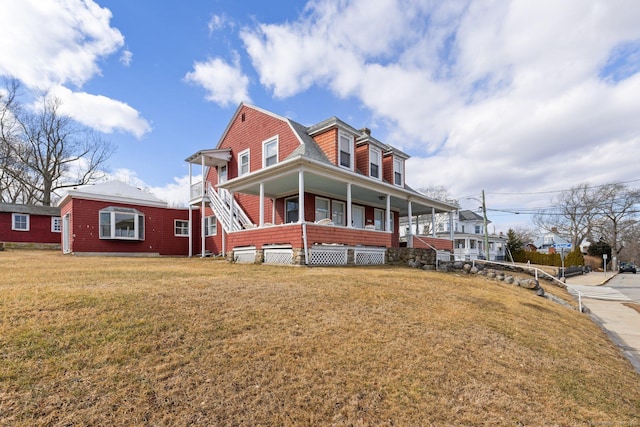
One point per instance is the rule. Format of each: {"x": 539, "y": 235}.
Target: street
{"x": 627, "y": 284}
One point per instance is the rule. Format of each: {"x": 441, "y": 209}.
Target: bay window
{"x": 121, "y": 224}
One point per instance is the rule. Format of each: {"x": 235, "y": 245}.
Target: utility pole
{"x": 486, "y": 232}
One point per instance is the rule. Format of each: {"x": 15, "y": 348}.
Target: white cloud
{"x": 101, "y": 113}
{"x": 216, "y": 23}
{"x": 126, "y": 57}
{"x": 506, "y": 96}
{"x": 46, "y": 42}
{"x": 52, "y": 44}
{"x": 224, "y": 83}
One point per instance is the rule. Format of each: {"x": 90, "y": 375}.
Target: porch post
{"x": 202, "y": 242}
{"x": 190, "y": 213}
{"x": 388, "y": 214}
{"x": 433, "y": 222}
{"x": 190, "y": 226}
{"x": 349, "y": 217}
{"x": 451, "y": 225}
{"x": 300, "y": 196}
{"x": 261, "y": 223}
{"x": 410, "y": 231}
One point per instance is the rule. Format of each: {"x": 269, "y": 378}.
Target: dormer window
{"x": 374, "y": 163}
{"x": 270, "y": 152}
{"x": 346, "y": 150}
{"x": 398, "y": 171}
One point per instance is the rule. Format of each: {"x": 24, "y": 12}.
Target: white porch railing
{"x": 220, "y": 207}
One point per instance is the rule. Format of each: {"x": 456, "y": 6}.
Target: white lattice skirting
{"x": 369, "y": 256}
{"x": 245, "y": 255}
{"x": 278, "y": 255}
{"x": 326, "y": 255}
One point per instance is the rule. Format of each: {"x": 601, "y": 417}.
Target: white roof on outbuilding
{"x": 114, "y": 191}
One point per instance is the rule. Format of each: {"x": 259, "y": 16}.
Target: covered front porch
{"x": 310, "y": 212}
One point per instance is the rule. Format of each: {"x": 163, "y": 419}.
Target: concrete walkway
{"x": 619, "y": 321}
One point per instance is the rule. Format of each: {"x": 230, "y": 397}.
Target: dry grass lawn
{"x": 167, "y": 341}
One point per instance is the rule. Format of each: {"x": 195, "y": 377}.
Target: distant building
{"x": 29, "y": 225}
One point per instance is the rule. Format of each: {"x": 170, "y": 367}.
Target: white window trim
{"x": 56, "y": 220}
{"x": 242, "y": 154}
{"x": 175, "y": 228}
{"x": 381, "y": 212}
{"x": 401, "y": 171}
{"x": 13, "y": 222}
{"x": 112, "y": 210}
{"x": 344, "y": 212}
{"x": 211, "y": 219}
{"x": 328, "y": 212}
{"x": 286, "y": 212}
{"x": 379, "y": 152}
{"x": 275, "y": 139}
{"x": 351, "y": 150}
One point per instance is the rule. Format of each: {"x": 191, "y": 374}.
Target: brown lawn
{"x": 168, "y": 341}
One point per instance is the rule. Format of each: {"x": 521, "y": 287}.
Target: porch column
{"x": 349, "y": 217}
{"x": 190, "y": 223}
{"x": 410, "y": 225}
{"x": 389, "y": 226}
{"x": 190, "y": 212}
{"x": 261, "y": 223}
{"x": 433, "y": 222}
{"x": 451, "y": 225}
{"x": 300, "y": 196}
{"x": 202, "y": 242}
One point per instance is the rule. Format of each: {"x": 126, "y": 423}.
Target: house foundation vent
{"x": 369, "y": 256}
{"x": 245, "y": 255}
{"x": 278, "y": 255}
{"x": 327, "y": 255}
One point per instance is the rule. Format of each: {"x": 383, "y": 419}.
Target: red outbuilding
{"x": 114, "y": 218}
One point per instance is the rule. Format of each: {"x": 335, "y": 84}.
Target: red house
{"x": 116, "y": 218}
{"x": 287, "y": 193}
{"x": 29, "y": 225}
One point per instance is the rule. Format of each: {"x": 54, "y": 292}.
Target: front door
{"x": 357, "y": 216}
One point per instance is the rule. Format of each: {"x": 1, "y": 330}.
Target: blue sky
{"x": 519, "y": 98}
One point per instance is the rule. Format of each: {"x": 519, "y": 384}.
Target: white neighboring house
{"x": 546, "y": 243}
{"x": 468, "y": 235}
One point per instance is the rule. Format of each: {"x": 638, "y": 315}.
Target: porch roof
{"x": 281, "y": 180}
{"x": 212, "y": 157}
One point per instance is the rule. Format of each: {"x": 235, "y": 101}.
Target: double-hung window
{"x": 345, "y": 150}
{"x": 322, "y": 208}
{"x": 181, "y": 227}
{"x": 121, "y": 223}
{"x": 337, "y": 212}
{"x": 270, "y": 152}
{"x": 210, "y": 226}
{"x": 374, "y": 162}
{"x": 478, "y": 229}
{"x": 398, "y": 171}
{"x": 56, "y": 224}
{"x": 291, "y": 210}
{"x": 20, "y": 222}
{"x": 243, "y": 163}
{"x": 378, "y": 219}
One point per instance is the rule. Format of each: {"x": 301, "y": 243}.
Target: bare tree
{"x": 573, "y": 214}
{"x": 617, "y": 212}
{"x": 46, "y": 150}
{"x": 424, "y": 223}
